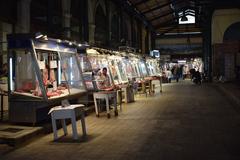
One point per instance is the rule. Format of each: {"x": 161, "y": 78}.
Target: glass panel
{"x": 24, "y": 79}
{"x": 98, "y": 63}
{"x": 152, "y": 67}
{"x": 85, "y": 64}
{"x": 150, "y": 70}
{"x": 135, "y": 66}
{"x": 130, "y": 72}
{"x": 122, "y": 72}
{"x": 71, "y": 73}
{"x": 114, "y": 73}
{"x": 49, "y": 62}
{"x": 87, "y": 71}
{"x": 143, "y": 69}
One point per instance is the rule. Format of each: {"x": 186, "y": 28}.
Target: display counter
{"x": 42, "y": 72}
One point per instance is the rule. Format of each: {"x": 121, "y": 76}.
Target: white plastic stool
{"x": 107, "y": 95}
{"x": 68, "y": 112}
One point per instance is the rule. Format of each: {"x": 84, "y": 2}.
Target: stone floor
{"x": 186, "y": 121}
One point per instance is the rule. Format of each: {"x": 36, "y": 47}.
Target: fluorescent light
{"x": 59, "y": 72}
{"x": 39, "y": 36}
{"x": 183, "y": 33}
{"x": 11, "y": 74}
{"x": 71, "y": 67}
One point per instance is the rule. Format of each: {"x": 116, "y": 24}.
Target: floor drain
{"x": 11, "y": 130}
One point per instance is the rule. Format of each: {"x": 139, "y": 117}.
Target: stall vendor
{"x": 103, "y": 80}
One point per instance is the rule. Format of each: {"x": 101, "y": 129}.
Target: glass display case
{"x": 130, "y": 69}
{"x": 143, "y": 68}
{"x": 98, "y": 62}
{"x": 153, "y": 67}
{"x": 135, "y": 66}
{"x": 117, "y": 70}
{"x": 87, "y": 72}
{"x": 42, "y": 72}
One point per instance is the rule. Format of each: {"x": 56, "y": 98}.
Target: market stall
{"x": 154, "y": 71}
{"x": 42, "y": 72}
{"x": 98, "y": 61}
{"x": 119, "y": 73}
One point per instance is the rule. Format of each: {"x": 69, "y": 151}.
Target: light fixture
{"x": 38, "y": 35}
{"x": 45, "y": 37}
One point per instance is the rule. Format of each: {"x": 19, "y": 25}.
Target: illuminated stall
{"x": 42, "y": 72}
{"x": 119, "y": 72}
{"x": 143, "y": 68}
{"x": 135, "y": 65}
{"x": 100, "y": 58}
{"x": 153, "y": 67}
{"x": 98, "y": 62}
{"x": 154, "y": 71}
{"x": 130, "y": 67}
{"x": 87, "y": 71}
{"x": 117, "y": 69}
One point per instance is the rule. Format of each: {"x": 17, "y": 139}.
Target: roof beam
{"x": 168, "y": 13}
{"x": 178, "y": 29}
{"x": 161, "y": 6}
{"x": 171, "y": 12}
{"x": 166, "y": 23}
{"x": 139, "y": 3}
{"x": 129, "y": 8}
{"x": 169, "y": 22}
{"x": 162, "y": 15}
{"x": 168, "y": 30}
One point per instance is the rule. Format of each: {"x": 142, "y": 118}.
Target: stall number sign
{"x": 41, "y": 64}
{"x": 53, "y": 64}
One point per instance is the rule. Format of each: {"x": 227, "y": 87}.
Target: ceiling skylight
{"x": 186, "y": 17}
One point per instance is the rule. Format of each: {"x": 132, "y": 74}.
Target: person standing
{"x": 184, "y": 72}
{"x": 168, "y": 75}
{"x": 177, "y": 72}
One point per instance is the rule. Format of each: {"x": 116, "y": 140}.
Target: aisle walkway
{"x": 185, "y": 122}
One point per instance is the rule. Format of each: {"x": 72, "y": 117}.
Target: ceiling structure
{"x": 163, "y": 15}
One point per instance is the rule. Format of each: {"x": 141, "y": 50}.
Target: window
{"x": 190, "y": 17}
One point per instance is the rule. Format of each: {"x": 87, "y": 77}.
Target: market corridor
{"x": 185, "y": 122}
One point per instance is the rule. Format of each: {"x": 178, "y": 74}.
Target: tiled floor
{"x": 186, "y": 121}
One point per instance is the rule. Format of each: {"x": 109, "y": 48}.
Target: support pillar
{"x": 66, "y": 13}
{"x": 207, "y": 47}
{"x": 84, "y": 20}
{"x": 153, "y": 41}
{"x": 108, "y": 16}
{"x": 132, "y": 34}
{"x": 23, "y": 16}
{"x": 92, "y": 27}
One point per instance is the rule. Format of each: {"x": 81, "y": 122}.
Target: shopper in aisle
{"x": 168, "y": 75}
{"x": 184, "y": 72}
{"x": 177, "y": 72}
